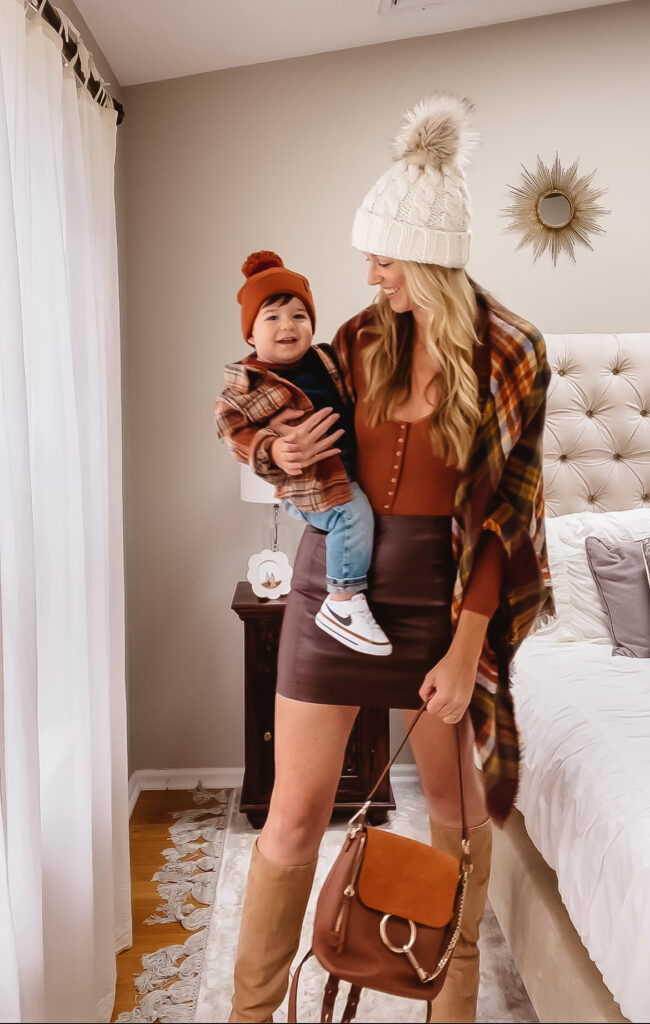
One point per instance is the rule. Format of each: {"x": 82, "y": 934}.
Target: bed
{"x": 570, "y": 883}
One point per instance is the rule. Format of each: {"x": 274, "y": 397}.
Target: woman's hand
{"x": 303, "y": 445}
{"x": 449, "y": 685}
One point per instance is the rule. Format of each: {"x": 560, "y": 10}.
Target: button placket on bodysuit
{"x": 401, "y": 432}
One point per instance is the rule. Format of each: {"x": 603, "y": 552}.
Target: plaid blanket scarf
{"x": 502, "y": 490}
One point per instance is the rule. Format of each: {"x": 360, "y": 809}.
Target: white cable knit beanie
{"x": 419, "y": 210}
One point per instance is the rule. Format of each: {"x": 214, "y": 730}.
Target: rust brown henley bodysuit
{"x": 401, "y": 476}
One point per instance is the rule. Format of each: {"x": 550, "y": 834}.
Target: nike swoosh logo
{"x": 345, "y": 620}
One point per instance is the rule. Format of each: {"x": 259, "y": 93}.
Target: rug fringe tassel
{"x": 163, "y": 999}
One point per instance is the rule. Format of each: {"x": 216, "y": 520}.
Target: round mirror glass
{"x": 554, "y": 210}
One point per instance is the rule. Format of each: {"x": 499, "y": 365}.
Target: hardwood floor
{"x": 149, "y": 836}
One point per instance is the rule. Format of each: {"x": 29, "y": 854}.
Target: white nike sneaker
{"x": 352, "y": 623}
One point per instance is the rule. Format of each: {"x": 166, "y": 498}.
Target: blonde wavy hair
{"x": 449, "y": 337}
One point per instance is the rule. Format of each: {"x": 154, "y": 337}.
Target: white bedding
{"x": 584, "y": 719}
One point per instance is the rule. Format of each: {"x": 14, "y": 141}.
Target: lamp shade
{"x": 253, "y": 488}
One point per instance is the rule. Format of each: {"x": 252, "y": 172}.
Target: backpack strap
{"x": 292, "y": 1012}
{"x": 350, "y": 1010}
{"x": 329, "y": 998}
{"x": 332, "y": 987}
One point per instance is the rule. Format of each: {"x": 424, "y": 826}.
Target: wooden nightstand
{"x": 368, "y": 748}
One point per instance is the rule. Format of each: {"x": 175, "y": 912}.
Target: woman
{"x": 450, "y": 391}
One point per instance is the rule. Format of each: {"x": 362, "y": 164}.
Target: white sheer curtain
{"x": 64, "y": 869}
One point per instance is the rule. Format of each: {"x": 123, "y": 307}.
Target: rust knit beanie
{"x": 267, "y": 275}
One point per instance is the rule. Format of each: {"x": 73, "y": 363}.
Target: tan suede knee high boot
{"x": 274, "y": 908}
{"x": 457, "y": 1000}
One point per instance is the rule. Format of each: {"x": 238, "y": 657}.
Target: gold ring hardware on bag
{"x": 407, "y": 949}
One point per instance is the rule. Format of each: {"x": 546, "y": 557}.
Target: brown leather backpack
{"x": 389, "y": 913}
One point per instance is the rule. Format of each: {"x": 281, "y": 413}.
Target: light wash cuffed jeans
{"x": 350, "y": 530}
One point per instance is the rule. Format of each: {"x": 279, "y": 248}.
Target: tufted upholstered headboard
{"x": 597, "y": 433}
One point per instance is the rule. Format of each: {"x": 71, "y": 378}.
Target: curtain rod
{"x": 70, "y": 50}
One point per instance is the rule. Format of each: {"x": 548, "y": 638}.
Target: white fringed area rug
{"x": 502, "y": 996}
{"x": 170, "y": 980}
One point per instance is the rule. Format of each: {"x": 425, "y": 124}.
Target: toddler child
{"x": 287, "y": 372}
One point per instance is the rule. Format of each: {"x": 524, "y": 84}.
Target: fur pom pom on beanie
{"x": 419, "y": 210}
{"x": 266, "y": 275}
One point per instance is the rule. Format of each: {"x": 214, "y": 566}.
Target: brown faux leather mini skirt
{"x": 410, "y": 587}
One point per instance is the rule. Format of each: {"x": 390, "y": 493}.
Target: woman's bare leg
{"x": 310, "y": 742}
{"x": 434, "y": 747}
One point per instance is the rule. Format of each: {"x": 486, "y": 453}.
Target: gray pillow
{"x": 620, "y": 574}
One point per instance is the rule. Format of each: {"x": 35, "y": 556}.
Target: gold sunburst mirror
{"x": 555, "y": 209}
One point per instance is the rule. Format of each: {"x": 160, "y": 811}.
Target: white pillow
{"x": 581, "y": 614}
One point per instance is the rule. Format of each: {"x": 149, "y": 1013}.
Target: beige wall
{"x": 278, "y": 156}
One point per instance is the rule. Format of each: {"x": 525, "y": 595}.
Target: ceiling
{"x": 149, "y": 40}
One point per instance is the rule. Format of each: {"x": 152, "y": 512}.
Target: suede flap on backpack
{"x": 402, "y": 877}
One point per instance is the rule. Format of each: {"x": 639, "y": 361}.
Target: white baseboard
{"x": 182, "y": 778}
{"x": 216, "y": 778}
{"x": 134, "y": 792}
{"x": 404, "y": 773}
